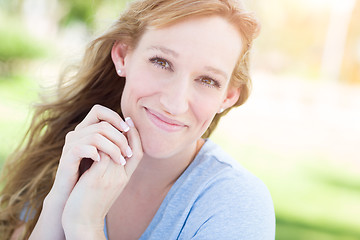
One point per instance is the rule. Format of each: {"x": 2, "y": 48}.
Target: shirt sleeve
{"x": 25, "y": 214}
{"x": 233, "y": 208}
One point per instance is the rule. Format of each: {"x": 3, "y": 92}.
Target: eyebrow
{"x": 175, "y": 54}
{"x": 216, "y": 71}
{"x": 164, "y": 50}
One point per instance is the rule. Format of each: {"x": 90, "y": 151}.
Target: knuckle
{"x": 97, "y": 108}
{"x": 69, "y": 135}
{"x": 94, "y": 109}
{"x": 123, "y": 139}
{"x": 116, "y": 152}
{"x": 77, "y": 127}
{"x": 103, "y": 126}
{"x": 105, "y": 157}
{"x": 96, "y": 139}
{"x": 93, "y": 152}
{"x": 76, "y": 150}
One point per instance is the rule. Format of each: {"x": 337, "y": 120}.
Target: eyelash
{"x": 156, "y": 61}
{"x": 215, "y": 83}
{"x": 159, "y": 61}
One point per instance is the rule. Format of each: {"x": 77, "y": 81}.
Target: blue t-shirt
{"x": 215, "y": 198}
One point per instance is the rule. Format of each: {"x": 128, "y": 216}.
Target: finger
{"x": 106, "y": 177}
{"x": 109, "y": 172}
{"x": 100, "y": 113}
{"x": 81, "y": 151}
{"x": 115, "y": 174}
{"x": 111, "y": 133}
{"x": 135, "y": 144}
{"x": 105, "y": 145}
{"x": 97, "y": 169}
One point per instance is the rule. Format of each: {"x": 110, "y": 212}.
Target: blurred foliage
{"x": 10, "y": 6}
{"x": 80, "y": 11}
{"x": 16, "y": 43}
{"x": 295, "y": 229}
{"x": 86, "y": 12}
{"x": 17, "y": 92}
{"x": 316, "y": 203}
{"x": 312, "y": 198}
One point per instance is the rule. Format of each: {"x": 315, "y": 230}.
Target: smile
{"x": 164, "y": 123}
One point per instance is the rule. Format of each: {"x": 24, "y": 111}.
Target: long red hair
{"x": 30, "y": 171}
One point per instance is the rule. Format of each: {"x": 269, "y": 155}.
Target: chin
{"x": 162, "y": 146}
{"x": 158, "y": 149}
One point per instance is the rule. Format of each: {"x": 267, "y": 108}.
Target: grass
{"x": 313, "y": 199}
{"x": 16, "y": 94}
{"x": 288, "y": 228}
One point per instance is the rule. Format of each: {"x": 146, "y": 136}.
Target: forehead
{"x": 212, "y": 37}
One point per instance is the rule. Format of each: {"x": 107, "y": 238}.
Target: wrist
{"x": 49, "y": 225}
{"x": 54, "y": 205}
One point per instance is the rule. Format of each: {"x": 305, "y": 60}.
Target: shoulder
{"x": 232, "y": 201}
{"x": 219, "y": 171}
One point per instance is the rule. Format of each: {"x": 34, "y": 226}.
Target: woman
{"x": 122, "y": 153}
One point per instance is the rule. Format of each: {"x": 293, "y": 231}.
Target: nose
{"x": 175, "y": 96}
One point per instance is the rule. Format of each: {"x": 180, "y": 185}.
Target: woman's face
{"x": 177, "y": 79}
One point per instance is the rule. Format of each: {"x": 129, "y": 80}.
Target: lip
{"x": 164, "y": 123}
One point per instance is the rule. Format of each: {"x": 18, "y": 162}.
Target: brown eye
{"x": 209, "y": 82}
{"x": 159, "y": 62}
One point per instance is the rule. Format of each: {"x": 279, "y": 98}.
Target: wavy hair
{"x": 30, "y": 171}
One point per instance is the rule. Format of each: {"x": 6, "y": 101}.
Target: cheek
{"x": 132, "y": 92}
{"x": 136, "y": 87}
{"x": 142, "y": 79}
{"x": 204, "y": 112}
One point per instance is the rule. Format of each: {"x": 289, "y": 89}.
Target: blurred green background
{"x": 299, "y": 131}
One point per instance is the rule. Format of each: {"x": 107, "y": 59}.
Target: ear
{"x": 231, "y": 97}
{"x": 118, "y": 54}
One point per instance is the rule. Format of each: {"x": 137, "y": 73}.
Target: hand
{"x": 96, "y": 191}
{"x": 101, "y": 133}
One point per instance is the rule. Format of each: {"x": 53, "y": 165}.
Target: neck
{"x": 154, "y": 175}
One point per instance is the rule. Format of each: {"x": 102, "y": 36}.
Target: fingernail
{"x": 124, "y": 126}
{"x": 129, "y": 122}
{"x": 129, "y": 152}
{"x": 122, "y": 160}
